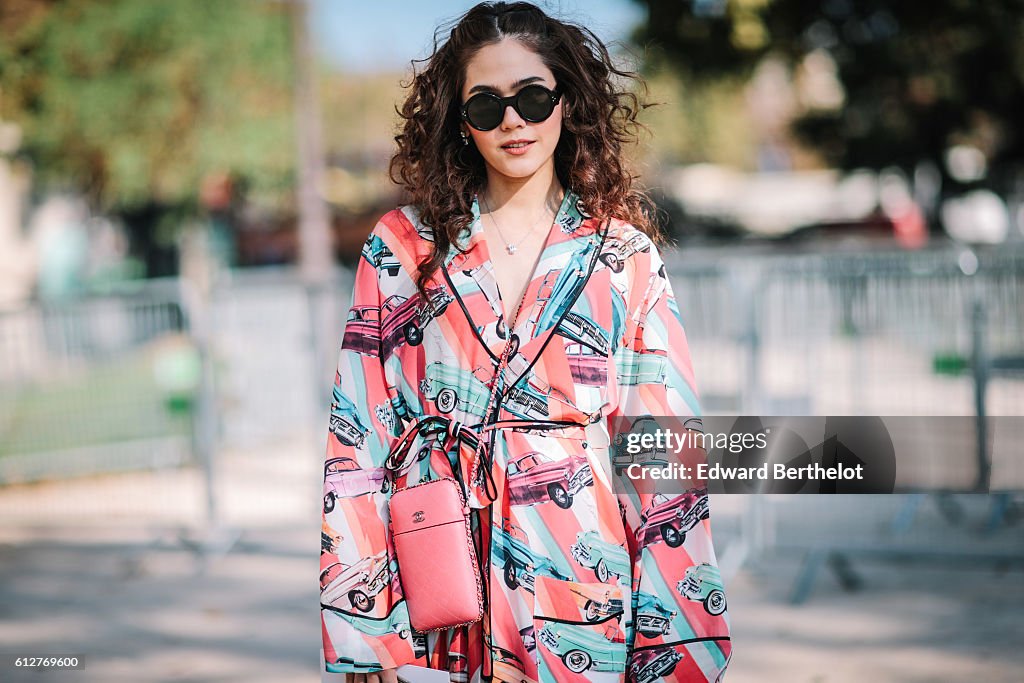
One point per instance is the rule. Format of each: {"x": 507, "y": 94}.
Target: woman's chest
{"x": 512, "y": 275}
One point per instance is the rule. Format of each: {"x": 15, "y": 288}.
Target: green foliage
{"x": 696, "y": 121}
{"x": 358, "y": 111}
{"x": 917, "y": 77}
{"x": 136, "y": 101}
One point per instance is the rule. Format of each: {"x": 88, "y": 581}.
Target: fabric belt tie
{"x": 456, "y": 434}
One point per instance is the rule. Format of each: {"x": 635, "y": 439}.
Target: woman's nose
{"x": 511, "y": 119}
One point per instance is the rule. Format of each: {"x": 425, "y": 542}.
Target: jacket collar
{"x": 571, "y": 219}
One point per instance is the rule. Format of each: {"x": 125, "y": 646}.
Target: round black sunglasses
{"x": 534, "y": 103}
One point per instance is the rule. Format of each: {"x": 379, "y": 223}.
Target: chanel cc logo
{"x": 418, "y": 516}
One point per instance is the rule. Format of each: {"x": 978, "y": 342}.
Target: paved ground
{"x": 96, "y": 568}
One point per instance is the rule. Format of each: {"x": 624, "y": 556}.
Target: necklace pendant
{"x": 511, "y": 248}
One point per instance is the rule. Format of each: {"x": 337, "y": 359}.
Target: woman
{"x": 522, "y": 242}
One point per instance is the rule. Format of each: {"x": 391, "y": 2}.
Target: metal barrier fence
{"x": 267, "y": 329}
{"x": 852, "y": 334}
{"x": 105, "y": 384}
{"x": 934, "y": 332}
{"x": 153, "y": 381}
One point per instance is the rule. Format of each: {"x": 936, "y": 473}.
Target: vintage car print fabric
{"x": 584, "y": 580}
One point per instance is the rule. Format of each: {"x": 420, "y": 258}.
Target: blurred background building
{"x": 185, "y": 188}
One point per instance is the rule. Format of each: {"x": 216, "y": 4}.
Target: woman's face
{"x": 504, "y": 68}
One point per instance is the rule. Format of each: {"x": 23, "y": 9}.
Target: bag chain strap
{"x": 502, "y": 363}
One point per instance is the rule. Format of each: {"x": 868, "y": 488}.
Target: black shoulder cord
{"x": 486, "y": 462}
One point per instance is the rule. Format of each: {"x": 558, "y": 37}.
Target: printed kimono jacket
{"x": 581, "y": 582}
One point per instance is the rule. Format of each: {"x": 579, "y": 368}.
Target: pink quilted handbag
{"x": 437, "y": 562}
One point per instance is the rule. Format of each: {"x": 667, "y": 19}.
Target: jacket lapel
{"x": 565, "y": 263}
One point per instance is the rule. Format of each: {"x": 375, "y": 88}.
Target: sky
{"x": 383, "y": 35}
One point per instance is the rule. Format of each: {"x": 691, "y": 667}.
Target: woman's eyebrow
{"x": 518, "y": 84}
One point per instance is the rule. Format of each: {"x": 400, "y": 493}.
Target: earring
{"x": 465, "y": 138}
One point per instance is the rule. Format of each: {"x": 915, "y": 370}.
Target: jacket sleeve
{"x": 364, "y": 620}
{"x": 679, "y": 628}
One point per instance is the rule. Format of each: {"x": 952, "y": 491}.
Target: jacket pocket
{"x": 578, "y": 628}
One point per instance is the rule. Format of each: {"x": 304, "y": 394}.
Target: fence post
{"x": 980, "y": 370}
{"x": 214, "y": 539}
{"x": 748, "y": 284}
{"x": 746, "y": 280}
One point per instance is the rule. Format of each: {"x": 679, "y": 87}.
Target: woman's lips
{"x": 517, "y": 147}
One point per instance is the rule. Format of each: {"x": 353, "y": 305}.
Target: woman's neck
{"x": 524, "y": 196}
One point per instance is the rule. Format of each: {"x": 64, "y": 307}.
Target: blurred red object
{"x": 216, "y": 191}
{"x": 909, "y": 227}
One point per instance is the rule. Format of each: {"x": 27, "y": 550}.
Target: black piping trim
{"x": 538, "y": 424}
{"x": 680, "y": 642}
{"x": 578, "y": 623}
{"x": 469, "y": 318}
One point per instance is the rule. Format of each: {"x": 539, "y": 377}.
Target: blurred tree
{"x": 915, "y": 78}
{"x": 133, "y": 103}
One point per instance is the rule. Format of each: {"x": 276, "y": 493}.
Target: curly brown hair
{"x": 441, "y": 175}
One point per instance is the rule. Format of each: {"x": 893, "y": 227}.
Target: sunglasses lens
{"x": 483, "y": 111}
{"x": 534, "y": 103}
